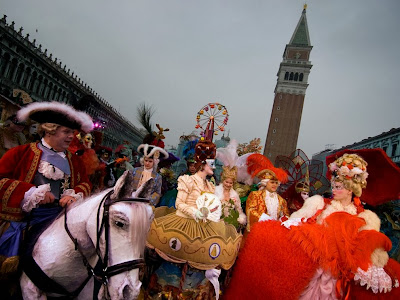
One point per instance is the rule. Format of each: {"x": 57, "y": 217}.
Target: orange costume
{"x": 265, "y": 202}
{"x": 256, "y": 206}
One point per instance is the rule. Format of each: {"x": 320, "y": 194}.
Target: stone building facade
{"x": 26, "y": 67}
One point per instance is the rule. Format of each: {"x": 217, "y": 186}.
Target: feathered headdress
{"x": 153, "y": 145}
{"x": 228, "y": 156}
{"x": 260, "y": 166}
{"x": 383, "y": 178}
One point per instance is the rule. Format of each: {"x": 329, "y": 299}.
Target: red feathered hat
{"x": 383, "y": 175}
{"x": 260, "y": 166}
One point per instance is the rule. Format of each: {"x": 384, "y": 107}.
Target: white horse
{"x": 56, "y": 254}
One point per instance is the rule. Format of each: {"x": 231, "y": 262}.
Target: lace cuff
{"x": 71, "y": 192}
{"x": 33, "y": 196}
{"x": 375, "y": 278}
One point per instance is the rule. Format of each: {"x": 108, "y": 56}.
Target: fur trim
{"x": 310, "y": 207}
{"x": 79, "y": 117}
{"x": 371, "y": 219}
{"x": 379, "y": 257}
{"x": 337, "y": 206}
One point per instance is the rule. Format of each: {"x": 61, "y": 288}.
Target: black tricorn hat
{"x": 58, "y": 113}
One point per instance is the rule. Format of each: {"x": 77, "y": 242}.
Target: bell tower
{"x": 290, "y": 90}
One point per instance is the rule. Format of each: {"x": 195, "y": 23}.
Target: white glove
{"x": 198, "y": 215}
{"x": 292, "y": 222}
{"x": 265, "y": 217}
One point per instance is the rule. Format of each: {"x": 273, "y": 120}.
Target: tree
{"x": 252, "y": 147}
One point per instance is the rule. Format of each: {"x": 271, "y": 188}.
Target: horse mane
{"x": 141, "y": 224}
{"x": 140, "y": 220}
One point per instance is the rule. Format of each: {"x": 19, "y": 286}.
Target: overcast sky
{"x": 178, "y": 55}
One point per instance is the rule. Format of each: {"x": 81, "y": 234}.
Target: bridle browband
{"x": 106, "y": 271}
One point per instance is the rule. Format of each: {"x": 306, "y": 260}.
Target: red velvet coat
{"x": 18, "y": 167}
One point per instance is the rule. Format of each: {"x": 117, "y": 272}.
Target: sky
{"x": 179, "y": 55}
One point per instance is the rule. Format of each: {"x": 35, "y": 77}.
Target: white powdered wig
{"x": 79, "y": 117}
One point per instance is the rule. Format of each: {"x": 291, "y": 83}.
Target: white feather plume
{"x": 242, "y": 174}
{"x": 228, "y": 156}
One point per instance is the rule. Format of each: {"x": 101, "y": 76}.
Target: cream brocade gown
{"x": 177, "y": 237}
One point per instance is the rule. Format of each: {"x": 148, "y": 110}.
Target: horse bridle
{"x": 106, "y": 271}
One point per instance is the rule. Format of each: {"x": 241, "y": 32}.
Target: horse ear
{"x": 147, "y": 188}
{"x": 123, "y": 187}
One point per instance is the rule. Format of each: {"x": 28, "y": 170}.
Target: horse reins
{"x": 106, "y": 271}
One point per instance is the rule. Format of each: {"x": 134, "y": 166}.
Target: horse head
{"x": 129, "y": 222}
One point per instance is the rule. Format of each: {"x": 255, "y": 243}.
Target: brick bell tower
{"x": 290, "y": 90}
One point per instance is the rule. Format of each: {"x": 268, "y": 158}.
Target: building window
{"x": 296, "y": 76}
{"x": 394, "y": 149}
{"x": 278, "y": 108}
{"x": 384, "y": 148}
{"x": 272, "y": 142}
{"x": 276, "y": 119}
{"x": 291, "y": 76}
{"x": 280, "y": 96}
{"x": 301, "y": 77}
{"x": 274, "y": 131}
{"x": 286, "y": 75}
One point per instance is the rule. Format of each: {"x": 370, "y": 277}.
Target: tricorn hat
{"x": 58, "y": 113}
{"x": 260, "y": 166}
{"x": 151, "y": 151}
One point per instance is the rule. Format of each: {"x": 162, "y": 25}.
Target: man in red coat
{"x": 38, "y": 179}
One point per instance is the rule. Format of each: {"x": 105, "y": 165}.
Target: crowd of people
{"x": 327, "y": 249}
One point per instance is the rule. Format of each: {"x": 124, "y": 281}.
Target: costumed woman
{"x": 330, "y": 248}
{"x": 38, "y": 179}
{"x": 194, "y": 236}
{"x": 265, "y": 204}
{"x": 232, "y": 212}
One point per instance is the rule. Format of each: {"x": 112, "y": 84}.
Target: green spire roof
{"x": 300, "y": 36}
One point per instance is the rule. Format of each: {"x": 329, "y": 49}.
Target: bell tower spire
{"x": 290, "y": 90}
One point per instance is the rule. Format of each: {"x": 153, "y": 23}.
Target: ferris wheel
{"x": 211, "y": 119}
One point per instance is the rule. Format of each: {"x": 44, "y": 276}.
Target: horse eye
{"x": 119, "y": 224}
